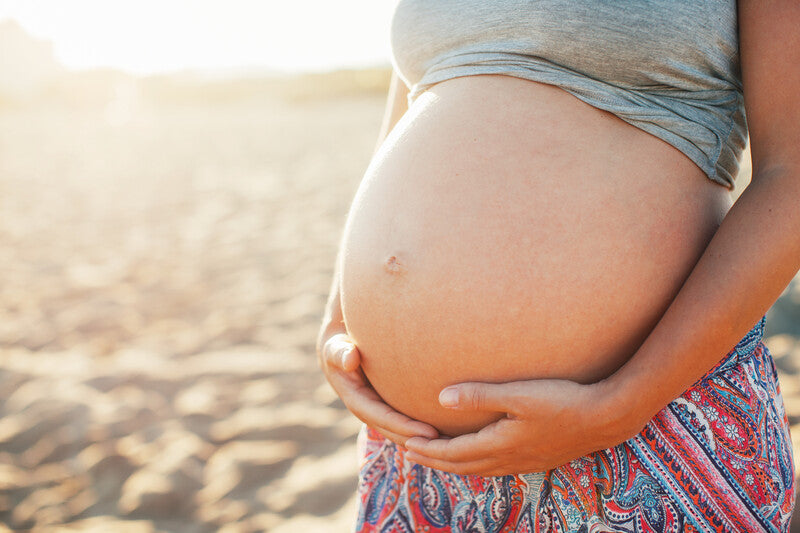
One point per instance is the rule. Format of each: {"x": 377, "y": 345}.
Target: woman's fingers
{"x": 344, "y": 361}
{"x": 481, "y": 467}
{"x": 365, "y": 403}
{"x": 463, "y": 449}
{"x": 394, "y": 437}
{"x": 477, "y": 453}
{"x": 367, "y": 406}
{"x": 342, "y": 353}
{"x": 499, "y": 397}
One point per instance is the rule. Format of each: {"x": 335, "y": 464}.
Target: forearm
{"x": 748, "y": 263}
{"x": 396, "y": 106}
{"x": 333, "y": 319}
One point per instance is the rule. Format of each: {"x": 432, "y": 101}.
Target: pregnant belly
{"x": 506, "y": 231}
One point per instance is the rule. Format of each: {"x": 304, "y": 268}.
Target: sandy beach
{"x": 166, "y": 249}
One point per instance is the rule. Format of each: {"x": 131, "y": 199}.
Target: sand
{"x": 166, "y": 251}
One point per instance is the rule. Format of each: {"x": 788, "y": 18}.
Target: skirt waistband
{"x": 743, "y": 350}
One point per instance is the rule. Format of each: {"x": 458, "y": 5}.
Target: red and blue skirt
{"x": 717, "y": 459}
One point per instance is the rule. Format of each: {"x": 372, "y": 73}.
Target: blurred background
{"x": 174, "y": 177}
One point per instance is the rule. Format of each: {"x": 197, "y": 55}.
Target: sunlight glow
{"x": 152, "y": 36}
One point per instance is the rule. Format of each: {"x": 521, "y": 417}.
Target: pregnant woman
{"x": 547, "y": 309}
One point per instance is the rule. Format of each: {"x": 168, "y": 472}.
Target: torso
{"x": 506, "y": 230}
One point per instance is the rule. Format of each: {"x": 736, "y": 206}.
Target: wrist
{"x": 620, "y": 408}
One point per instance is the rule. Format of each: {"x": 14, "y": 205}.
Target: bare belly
{"x": 506, "y": 230}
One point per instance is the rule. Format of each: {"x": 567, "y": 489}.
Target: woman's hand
{"x": 548, "y": 423}
{"x": 341, "y": 363}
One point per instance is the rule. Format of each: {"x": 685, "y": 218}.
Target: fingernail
{"x": 449, "y": 397}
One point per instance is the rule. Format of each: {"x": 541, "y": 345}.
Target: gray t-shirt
{"x": 670, "y": 68}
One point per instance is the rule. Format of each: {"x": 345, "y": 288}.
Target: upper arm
{"x": 397, "y": 101}
{"x": 396, "y": 105}
{"x": 769, "y": 46}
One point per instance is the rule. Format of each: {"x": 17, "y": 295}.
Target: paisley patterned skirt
{"x": 718, "y": 458}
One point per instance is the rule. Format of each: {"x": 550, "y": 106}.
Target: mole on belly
{"x": 394, "y": 266}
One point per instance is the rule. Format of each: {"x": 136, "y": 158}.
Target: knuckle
{"x": 517, "y": 405}
{"x": 509, "y": 451}
{"x": 477, "y": 397}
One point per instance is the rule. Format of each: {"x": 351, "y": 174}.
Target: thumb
{"x": 343, "y": 353}
{"x": 480, "y": 397}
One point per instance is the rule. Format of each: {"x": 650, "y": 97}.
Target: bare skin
{"x": 514, "y": 233}
{"x": 750, "y": 256}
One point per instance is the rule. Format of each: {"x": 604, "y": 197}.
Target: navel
{"x": 393, "y": 265}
